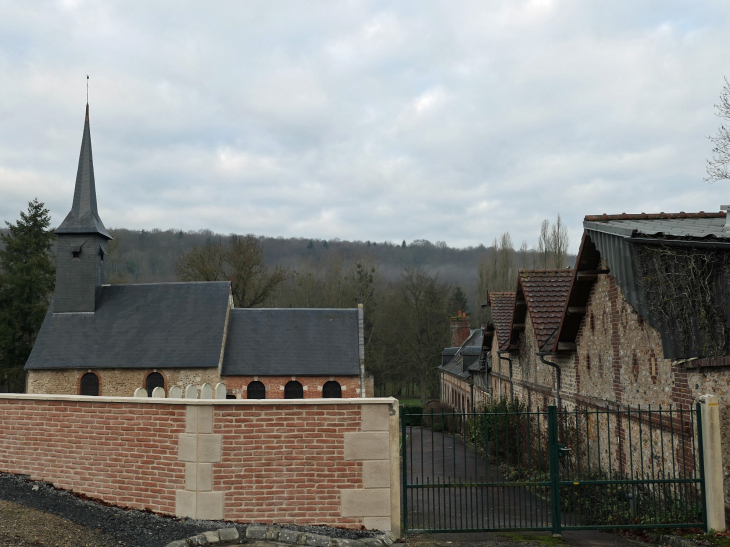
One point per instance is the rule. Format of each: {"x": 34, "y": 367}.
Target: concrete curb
{"x": 230, "y": 536}
{"x": 675, "y": 541}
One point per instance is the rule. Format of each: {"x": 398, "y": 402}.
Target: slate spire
{"x": 84, "y": 217}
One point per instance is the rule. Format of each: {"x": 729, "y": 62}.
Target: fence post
{"x": 713, "y": 488}
{"x": 554, "y": 469}
{"x": 404, "y": 459}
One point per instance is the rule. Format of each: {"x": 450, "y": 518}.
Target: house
{"x": 643, "y": 319}
{"x": 101, "y": 339}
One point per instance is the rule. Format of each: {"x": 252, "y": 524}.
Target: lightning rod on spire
{"x": 87, "y": 89}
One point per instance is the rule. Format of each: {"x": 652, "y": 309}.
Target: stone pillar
{"x": 199, "y": 448}
{"x": 377, "y": 447}
{"x": 712, "y": 452}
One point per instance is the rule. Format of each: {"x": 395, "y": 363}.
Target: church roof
{"x": 292, "y": 342}
{"x": 157, "y": 325}
{"x": 84, "y": 217}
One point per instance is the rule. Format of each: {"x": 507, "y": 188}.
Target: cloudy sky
{"x": 442, "y": 120}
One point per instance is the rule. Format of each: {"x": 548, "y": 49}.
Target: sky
{"x": 449, "y": 120}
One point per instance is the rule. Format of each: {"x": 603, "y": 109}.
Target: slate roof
{"x": 471, "y": 346}
{"x": 546, "y": 292}
{"x": 675, "y": 225}
{"x": 157, "y": 325}
{"x": 84, "y": 216}
{"x": 292, "y": 342}
{"x": 502, "y": 304}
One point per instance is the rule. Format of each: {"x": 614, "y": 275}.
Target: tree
{"x": 415, "y": 328}
{"x": 558, "y": 244}
{"x": 717, "y": 167}
{"x": 403, "y": 245}
{"x": 458, "y": 302}
{"x": 27, "y": 278}
{"x": 311, "y": 244}
{"x": 241, "y": 262}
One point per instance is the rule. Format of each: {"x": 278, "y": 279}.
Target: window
{"x": 154, "y": 380}
{"x": 332, "y": 390}
{"x": 75, "y": 254}
{"x": 256, "y": 390}
{"x": 293, "y": 390}
{"x": 90, "y": 384}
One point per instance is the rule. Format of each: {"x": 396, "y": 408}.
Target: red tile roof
{"x": 546, "y": 292}
{"x": 502, "y": 304}
{"x": 654, "y": 216}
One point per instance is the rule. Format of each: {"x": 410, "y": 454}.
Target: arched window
{"x": 154, "y": 380}
{"x": 90, "y": 384}
{"x": 256, "y": 390}
{"x": 332, "y": 390}
{"x": 293, "y": 390}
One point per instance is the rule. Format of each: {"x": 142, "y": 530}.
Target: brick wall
{"x": 312, "y": 385}
{"x": 329, "y": 461}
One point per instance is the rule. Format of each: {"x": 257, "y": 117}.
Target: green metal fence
{"x": 552, "y": 469}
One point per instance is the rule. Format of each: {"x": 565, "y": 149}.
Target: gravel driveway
{"x": 92, "y": 524}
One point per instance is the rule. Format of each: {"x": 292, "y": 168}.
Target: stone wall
{"x": 115, "y": 382}
{"x": 333, "y": 462}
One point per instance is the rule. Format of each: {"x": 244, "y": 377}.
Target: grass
{"x": 537, "y": 538}
{"x": 410, "y": 401}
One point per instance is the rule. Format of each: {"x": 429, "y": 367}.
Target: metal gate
{"x": 552, "y": 469}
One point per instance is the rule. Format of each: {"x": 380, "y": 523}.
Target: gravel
{"x": 128, "y": 527}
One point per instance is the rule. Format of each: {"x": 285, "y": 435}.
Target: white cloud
{"x": 363, "y": 119}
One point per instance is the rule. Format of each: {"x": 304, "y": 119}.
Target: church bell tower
{"x": 82, "y": 250}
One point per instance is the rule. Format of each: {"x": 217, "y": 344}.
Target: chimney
{"x": 460, "y": 330}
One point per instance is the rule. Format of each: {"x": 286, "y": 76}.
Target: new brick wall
{"x": 311, "y": 385}
{"x": 330, "y": 461}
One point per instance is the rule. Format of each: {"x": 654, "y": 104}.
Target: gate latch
{"x": 563, "y": 450}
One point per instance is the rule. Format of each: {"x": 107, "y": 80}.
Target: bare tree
{"x": 558, "y": 244}
{"x": 717, "y": 167}
{"x": 543, "y": 245}
{"x": 241, "y": 262}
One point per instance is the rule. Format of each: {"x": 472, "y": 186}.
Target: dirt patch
{"x": 21, "y": 526}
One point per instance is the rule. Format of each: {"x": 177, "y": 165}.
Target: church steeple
{"x": 84, "y": 217}
{"x": 83, "y": 243}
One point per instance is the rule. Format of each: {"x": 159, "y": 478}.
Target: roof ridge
{"x": 653, "y": 216}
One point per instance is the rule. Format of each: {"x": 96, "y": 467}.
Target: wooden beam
{"x": 518, "y": 326}
{"x": 567, "y": 346}
{"x": 585, "y": 276}
{"x": 573, "y": 310}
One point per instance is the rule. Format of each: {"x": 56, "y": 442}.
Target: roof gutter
{"x": 680, "y": 243}
{"x": 558, "y": 372}
{"x": 511, "y": 385}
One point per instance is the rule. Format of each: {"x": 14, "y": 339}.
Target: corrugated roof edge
{"x": 653, "y": 216}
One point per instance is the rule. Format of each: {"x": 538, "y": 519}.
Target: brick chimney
{"x": 460, "y": 330}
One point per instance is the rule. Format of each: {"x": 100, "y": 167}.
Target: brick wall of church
{"x": 312, "y": 385}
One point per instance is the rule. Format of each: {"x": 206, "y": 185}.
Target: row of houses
{"x": 642, "y": 319}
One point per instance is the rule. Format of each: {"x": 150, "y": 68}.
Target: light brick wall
{"x": 122, "y": 453}
{"x": 332, "y": 462}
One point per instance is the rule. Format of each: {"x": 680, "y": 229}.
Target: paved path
{"x": 439, "y": 458}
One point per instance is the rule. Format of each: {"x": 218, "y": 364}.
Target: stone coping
{"x": 277, "y": 534}
{"x": 222, "y": 402}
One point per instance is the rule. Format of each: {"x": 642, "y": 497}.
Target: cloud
{"x": 363, "y": 119}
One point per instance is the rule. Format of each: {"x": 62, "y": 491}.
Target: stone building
{"x": 643, "y": 319}
{"x": 101, "y": 339}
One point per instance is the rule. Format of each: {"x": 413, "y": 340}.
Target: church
{"x": 108, "y": 340}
